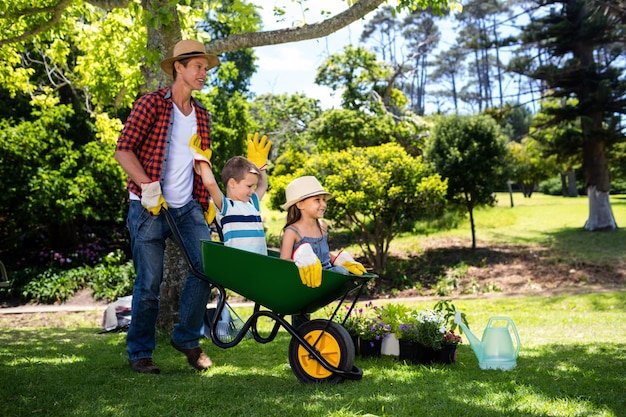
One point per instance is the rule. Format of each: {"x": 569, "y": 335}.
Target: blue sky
{"x": 291, "y": 67}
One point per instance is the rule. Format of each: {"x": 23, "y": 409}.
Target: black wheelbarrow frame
{"x": 274, "y": 285}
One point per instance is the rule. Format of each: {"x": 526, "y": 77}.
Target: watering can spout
{"x": 475, "y": 343}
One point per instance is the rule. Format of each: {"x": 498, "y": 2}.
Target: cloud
{"x": 283, "y": 58}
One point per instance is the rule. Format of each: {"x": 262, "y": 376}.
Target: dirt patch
{"x": 64, "y": 319}
{"x": 451, "y": 270}
{"x": 89, "y": 313}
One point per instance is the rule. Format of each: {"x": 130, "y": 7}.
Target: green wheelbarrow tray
{"x": 272, "y": 282}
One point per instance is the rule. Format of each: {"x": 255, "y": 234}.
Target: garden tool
{"x": 496, "y": 349}
{"x": 228, "y": 326}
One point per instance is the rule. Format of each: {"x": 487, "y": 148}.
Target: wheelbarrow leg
{"x": 298, "y": 320}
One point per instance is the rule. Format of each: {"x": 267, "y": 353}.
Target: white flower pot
{"x": 390, "y": 346}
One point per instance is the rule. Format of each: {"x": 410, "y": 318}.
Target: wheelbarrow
{"x": 320, "y": 350}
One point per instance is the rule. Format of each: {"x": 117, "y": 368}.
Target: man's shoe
{"x": 144, "y": 366}
{"x": 195, "y": 356}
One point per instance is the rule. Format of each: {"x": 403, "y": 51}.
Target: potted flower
{"x": 421, "y": 336}
{"x": 451, "y": 340}
{"x": 447, "y": 353}
{"x": 365, "y": 326}
{"x": 393, "y": 316}
{"x": 431, "y": 327}
{"x": 372, "y": 332}
{"x": 407, "y": 338}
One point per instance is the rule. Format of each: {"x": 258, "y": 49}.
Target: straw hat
{"x": 301, "y": 188}
{"x": 188, "y": 49}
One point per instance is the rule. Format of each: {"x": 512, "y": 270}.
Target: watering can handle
{"x": 508, "y": 320}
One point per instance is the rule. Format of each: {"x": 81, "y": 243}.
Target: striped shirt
{"x": 242, "y": 225}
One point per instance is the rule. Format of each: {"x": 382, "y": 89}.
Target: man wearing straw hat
{"x": 153, "y": 149}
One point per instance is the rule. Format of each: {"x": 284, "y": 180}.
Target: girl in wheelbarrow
{"x": 305, "y": 236}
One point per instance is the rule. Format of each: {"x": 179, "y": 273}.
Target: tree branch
{"x": 109, "y": 4}
{"x": 56, "y": 10}
{"x": 302, "y": 33}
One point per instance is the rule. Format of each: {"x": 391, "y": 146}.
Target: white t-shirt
{"x": 177, "y": 184}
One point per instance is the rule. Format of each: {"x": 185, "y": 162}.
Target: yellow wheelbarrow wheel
{"x": 333, "y": 343}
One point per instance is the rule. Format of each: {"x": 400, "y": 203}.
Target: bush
{"x": 109, "y": 280}
{"x": 55, "y": 285}
{"x": 551, "y": 186}
{"x": 618, "y": 186}
{"x": 377, "y": 193}
{"x": 112, "y": 282}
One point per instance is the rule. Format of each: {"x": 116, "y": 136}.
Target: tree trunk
{"x": 600, "y": 212}
{"x": 162, "y": 39}
{"x": 469, "y": 204}
{"x": 595, "y": 163}
{"x": 471, "y": 216}
{"x": 572, "y": 189}
{"x": 508, "y": 184}
{"x": 175, "y": 270}
{"x": 597, "y": 180}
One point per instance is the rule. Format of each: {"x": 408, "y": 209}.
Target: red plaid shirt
{"x": 146, "y": 133}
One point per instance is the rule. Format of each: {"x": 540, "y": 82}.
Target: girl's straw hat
{"x": 188, "y": 49}
{"x": 301, "y": 188}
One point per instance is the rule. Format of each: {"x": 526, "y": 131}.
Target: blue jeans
{"x": 147, "y": 237}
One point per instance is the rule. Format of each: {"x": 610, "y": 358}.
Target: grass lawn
{"x": 572, "y": 363}
{"x": 556, "y": 222}
{"x": 553, "y": 221}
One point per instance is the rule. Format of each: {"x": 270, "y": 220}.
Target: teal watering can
{"x": 496, "y": 349}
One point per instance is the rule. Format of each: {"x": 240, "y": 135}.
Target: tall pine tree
{"x": 573, "y": 47}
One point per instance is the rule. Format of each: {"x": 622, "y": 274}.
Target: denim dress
{"x": 320, "y": 248}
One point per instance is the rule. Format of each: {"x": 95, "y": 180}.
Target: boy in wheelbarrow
{"x": 238, "y": 212}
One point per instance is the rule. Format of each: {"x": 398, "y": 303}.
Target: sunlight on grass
{"x": 531, "y": 219}
{"x": 572, "y": 360}
{"x": 34, "y": 360}
{"x": 540, "y": 220}
{"x": 572, "y": 363}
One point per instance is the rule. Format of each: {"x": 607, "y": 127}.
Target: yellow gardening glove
{"x": 345, "y": 259}
{"x": 152, "y": 197}
{"x": 309, "y": 265}
{"x": 258, "y": 150}
{"x": 209, "y": 214}
{"x": 195, "y": 147}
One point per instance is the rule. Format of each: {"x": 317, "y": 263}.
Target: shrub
{"x": 109, "y": 280}
{"x": 55, "y": 285}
